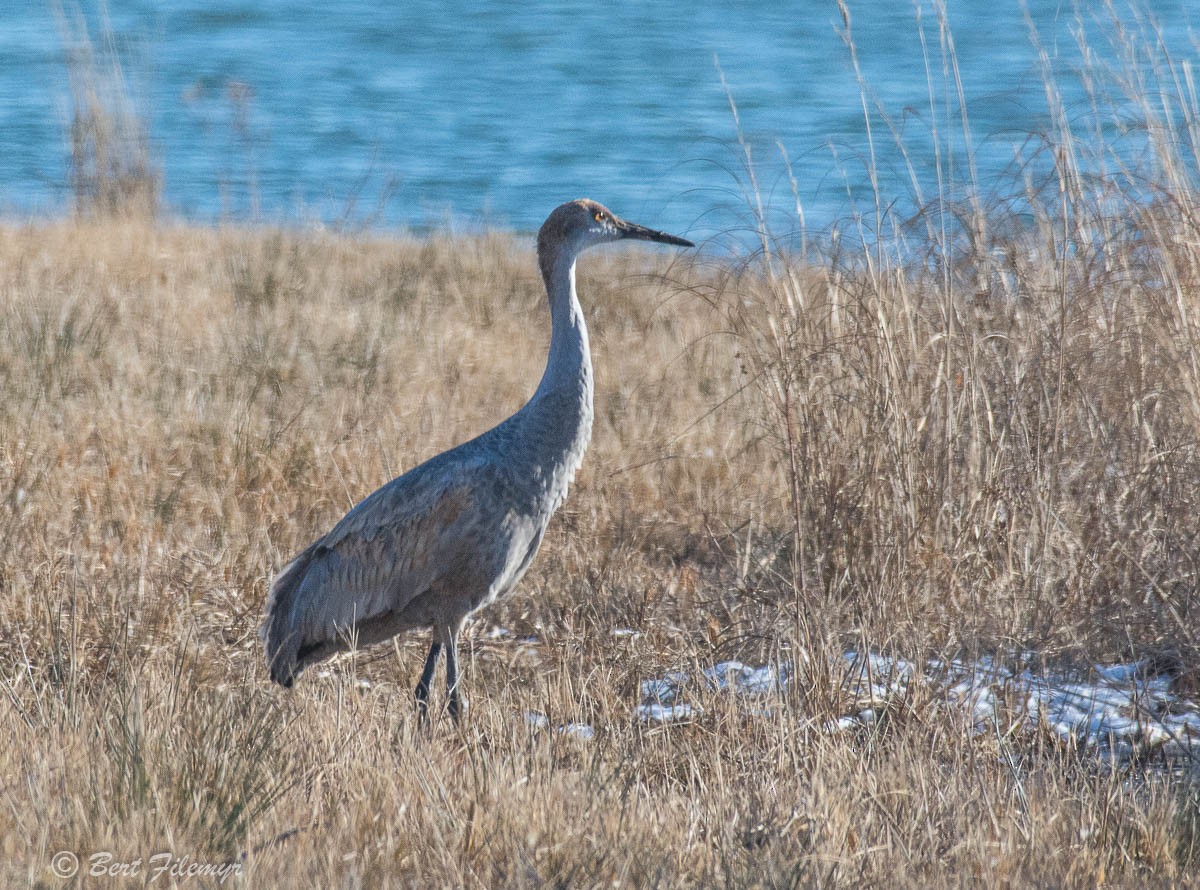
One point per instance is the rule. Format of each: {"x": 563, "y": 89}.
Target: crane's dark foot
{"x": 457, "y": 705}
{"x": 422, "y": 698}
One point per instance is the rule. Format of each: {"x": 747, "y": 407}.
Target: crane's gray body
{"x": 458, "y": 531}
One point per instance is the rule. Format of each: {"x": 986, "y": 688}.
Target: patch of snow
{"x": 727, "y": 676}
{"x": 733, "y": 676}
{"x": 1124, "y": 711}
{"x": 537, "y": 719}
{"x": 656, "y": 713}
{"x": 580, "y": 731}
{"x": 1122, "y": 673}
{"x": 863, "y": 718}
{"x": 663, "y": 691}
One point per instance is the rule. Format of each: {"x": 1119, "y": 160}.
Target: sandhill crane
{"x": 458, "y": 531}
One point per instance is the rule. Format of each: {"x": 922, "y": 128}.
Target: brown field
{"x": 788, "y": 461}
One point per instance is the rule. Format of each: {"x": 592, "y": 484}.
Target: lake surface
{"x": 423, "y": 114}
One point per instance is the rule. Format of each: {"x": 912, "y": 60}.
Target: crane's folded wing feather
{"x": 392, "y": 547}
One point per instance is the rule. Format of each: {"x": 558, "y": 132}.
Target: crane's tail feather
{"x": 282, "y": 641}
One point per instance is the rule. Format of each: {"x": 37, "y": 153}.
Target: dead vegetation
{"x": 958, "y": 439}
{"x": 113, "y": 169}
{"x": 185, "y": 408}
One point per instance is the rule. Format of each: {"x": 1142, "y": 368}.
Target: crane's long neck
{"x": 556, "y": 424}
{"x": 569, "y": 364}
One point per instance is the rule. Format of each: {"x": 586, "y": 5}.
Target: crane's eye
{"x": 599, "y": 216}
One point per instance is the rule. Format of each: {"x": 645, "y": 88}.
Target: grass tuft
{"x": 113, "y": 170}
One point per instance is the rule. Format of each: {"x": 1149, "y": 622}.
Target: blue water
{"x": 419, "y": 114}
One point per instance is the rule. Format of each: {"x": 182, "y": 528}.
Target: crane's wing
{"x": 393, "y": 546}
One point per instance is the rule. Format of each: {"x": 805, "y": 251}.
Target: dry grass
{"x": 968, "y": 438}
{"x": 185, "y": 408}
{"x": 113, "y": 169}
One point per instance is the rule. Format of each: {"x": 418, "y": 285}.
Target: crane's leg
{"x": 456, "y": 703}
{"x": 452, "y": 673}
{"x": 422, "y": 693}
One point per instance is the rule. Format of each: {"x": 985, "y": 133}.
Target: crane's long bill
{"x": 633, "y": 230}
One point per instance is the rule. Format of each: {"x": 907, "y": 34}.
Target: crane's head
{"x": 577, "y": 225}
